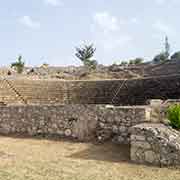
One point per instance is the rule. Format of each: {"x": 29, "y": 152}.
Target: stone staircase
{"x": 8, "y": 95}
{"x": 39, "y": 91}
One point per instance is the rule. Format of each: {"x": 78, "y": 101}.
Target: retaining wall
{"x": 81, "y": 122}
{"x": 117, "y": 92}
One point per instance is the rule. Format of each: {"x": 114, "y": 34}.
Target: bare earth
{"x": 39, "y": 159}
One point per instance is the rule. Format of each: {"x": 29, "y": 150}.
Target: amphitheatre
{"x": 113, "y": 125}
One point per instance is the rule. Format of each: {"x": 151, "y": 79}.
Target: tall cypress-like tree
{"x": 167, "y": 47}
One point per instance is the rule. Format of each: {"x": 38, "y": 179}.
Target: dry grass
{"x": 37, "y": 159}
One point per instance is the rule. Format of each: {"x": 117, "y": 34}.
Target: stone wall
{"x": 155, "y": 144}
{"x": 117, "y": 92}
{"x": 123, "y": 92}
{"x": 81, "y": 122}
{"x": 114, "y": 123}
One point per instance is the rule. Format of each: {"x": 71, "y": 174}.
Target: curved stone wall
{"x": 118, "y": 92}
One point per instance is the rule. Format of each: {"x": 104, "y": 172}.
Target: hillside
{"x": 102, "y": 72}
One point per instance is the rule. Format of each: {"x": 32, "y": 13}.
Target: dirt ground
{"x": 40, "y": 159}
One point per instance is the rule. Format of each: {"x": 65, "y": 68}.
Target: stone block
{"x": 141, "y": 144}
{"x": 137, "y": 138}
{"x": 150, "y": 157}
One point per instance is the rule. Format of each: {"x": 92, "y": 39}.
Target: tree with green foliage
{"x": 160, "y": 58}
{"x": 163, "y": 56}
{"x": 124, "y": 63}
{"x": 18, "y": 65}
{"x": 176, "y": 56}
{"x": 85, "y": 54}
{"x": 136, "y": 61}
{"x": 167, "y": 47}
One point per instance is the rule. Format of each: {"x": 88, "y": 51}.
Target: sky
{"x": 49, "y": 30}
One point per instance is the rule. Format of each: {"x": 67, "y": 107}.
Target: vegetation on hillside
{"x": 176, "y": 56}
{"x": 163, "y": 56}
{"x": 85, "y": 54}
{"x": 136, "y": 61}
{"x": 18, "y": 65}
{"x": 174, "y": 116}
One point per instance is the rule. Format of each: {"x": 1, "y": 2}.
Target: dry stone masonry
{"x": 82, "y": 110}
{"x": 155, "y": 144}
{"x": 114, "y": 122}
{"x": 117, "y": 92}
{"x": 82, "y": 122}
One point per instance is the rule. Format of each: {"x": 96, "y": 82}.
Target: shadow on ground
{"x": 106, "y": 152}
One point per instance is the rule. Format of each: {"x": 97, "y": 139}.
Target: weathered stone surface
{"x": 150, "y": 156}
{"x": 80, "y": 121}
{"x": 67, "y": 132}
{"x": 137, "y": 138}
{"x": 159, "y": 143}
{"x": 114, "y": 122}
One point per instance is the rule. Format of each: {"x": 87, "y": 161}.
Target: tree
{"x": 123, "y": 63}
{"x": 136, "y": 61}
{"x": 19, "y": 65}
{"x": 163, "y": 56}
{"x": 176, "y": 56}
{"x": 160, "y": 58}
{"x": 167, "y": 47}
{"x": 85, "y": 54}
{"x": 131, "y": 62}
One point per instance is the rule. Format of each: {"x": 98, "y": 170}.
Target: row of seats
{"x": 51, "y": 92}
{"x": 7, "y": 95}
{"x": 39, "y": 91}
{"x": 59, "y": 92}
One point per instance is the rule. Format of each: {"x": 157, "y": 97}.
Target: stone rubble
{"x": 155, "y": 144}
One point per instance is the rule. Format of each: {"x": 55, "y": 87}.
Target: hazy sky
{"x": 49, "y": 30}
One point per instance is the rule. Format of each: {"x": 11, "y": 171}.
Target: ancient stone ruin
{"x": 110, "y": 110}
{"x": 155, "y": 144}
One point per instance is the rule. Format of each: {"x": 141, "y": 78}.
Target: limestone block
{"x": 141, "y": 144}
{"x": 115, "y": 129}
{"x": 150, "y": 157}
{"x": 122, "y": 129}
{"x": 137, "y": 138}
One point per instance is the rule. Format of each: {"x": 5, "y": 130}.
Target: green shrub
{"x": 174, "y": 116}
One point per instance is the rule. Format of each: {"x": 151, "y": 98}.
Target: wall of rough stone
{"x": 123, "y": 92}
{"x": 118, "y": 92}
{"x": 81, "y": 122}
{"x": 155, "y": 144}
{"x": 115, "y": 123}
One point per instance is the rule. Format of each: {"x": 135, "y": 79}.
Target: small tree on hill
{"x": 163, "y": 56}
{"x": 124, "y": 63}
{"x": 18, "y": 65}
{"x": 176, "y": 56}
{"x": 167, "y": 47}
{"x": 136, "y": 61}
{"x": 85, "y": 54}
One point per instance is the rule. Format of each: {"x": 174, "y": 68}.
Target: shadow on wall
{"x": 105, "y": 152}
